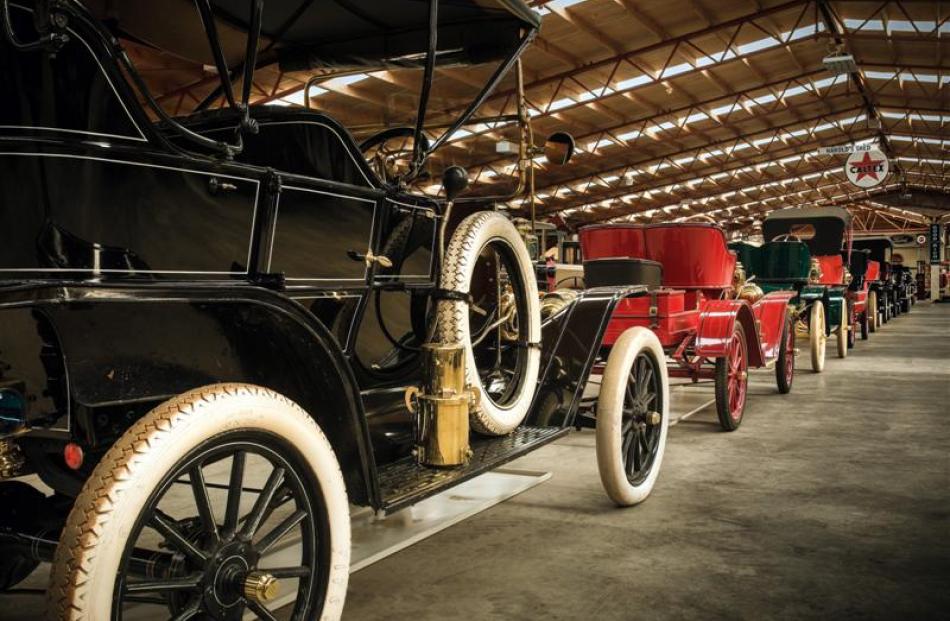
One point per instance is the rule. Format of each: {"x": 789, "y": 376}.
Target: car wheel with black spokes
{"x": 632, "y": 417}
{"x": 223, "y": 503}
{"x": 494, "y": 313}
{"x": 732, "y": 381}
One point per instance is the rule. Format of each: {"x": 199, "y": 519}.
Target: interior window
{"x": 803, "y": 231}
{"x": 67, "y": 92}
{"x": 304, "y": 148}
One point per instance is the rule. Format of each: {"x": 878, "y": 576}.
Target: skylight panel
{"x": 677, "y": 69}
{"x": 297, "y": 98}
{"x": 723, "y": 110}
{"x": 802, "y": 32}
{"x": 760, "y": 44}
{"x": 346, "y": 80}
{"x": 562, "y": 4}
{"x": 562, "y": 103}
{"x": 629, "y": 83}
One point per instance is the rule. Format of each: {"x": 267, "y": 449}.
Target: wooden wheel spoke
{"x": 188, "y": 583}
{"x": 646, "y": 448}
{"x": 631, "y": 397}
{"x": 203, "y": 501}
{"x": 627, "y": 443}
{"x": 262, "y": 613}
{"x": 280, "y": 531}
{"x": 631, "y": 455}
{"x": 234, "y": 491}
{"x": 637, "y": 451}
{"x": 626, "y": 427}
{"x": 289, "y": 572}
{"x": 643, "y": 377}
{"x": 165, "y": 526}
{"x": 256, "y": 516}
{"x": 190, "y": 612}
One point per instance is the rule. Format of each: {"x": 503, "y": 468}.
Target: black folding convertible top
{"x": 831, "y": 225}
{"x": 333, "y": 34}
{"x": 878, "y": 246}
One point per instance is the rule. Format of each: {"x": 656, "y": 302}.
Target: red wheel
{"x": 732, "y": 378}
{"x": 785, "y": 365}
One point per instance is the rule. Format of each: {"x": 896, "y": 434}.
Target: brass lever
{"x": 370, "y": 258}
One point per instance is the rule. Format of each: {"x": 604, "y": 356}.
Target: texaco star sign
{"x": 866, "y": 169}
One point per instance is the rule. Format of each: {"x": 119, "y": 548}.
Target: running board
{"x": 404, "y": 482}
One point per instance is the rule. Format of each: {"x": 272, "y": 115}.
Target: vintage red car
{"x": 711, "y": 321}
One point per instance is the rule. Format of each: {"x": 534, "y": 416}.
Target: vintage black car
{"x": 884, "y": 293}
{"x": 217, "y": 333}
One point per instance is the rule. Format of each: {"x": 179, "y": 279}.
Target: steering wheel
{"x": 787, "y": 237}
{"x": 388, "y": 134}
{"x": 385, "y": 159}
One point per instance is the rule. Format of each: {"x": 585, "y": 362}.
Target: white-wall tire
{"x": 873, "y": 311}
{"x": 843, "y": 327}
{"x": 632, "y": 345}
{"x": 816, "y": 336}
{"x": 111, "y": 504}
{"x": 473, "y": 235}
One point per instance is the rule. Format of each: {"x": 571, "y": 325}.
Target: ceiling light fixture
{"x": 840, "y": 64}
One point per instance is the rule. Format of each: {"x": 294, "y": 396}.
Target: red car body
{"x": 694, "y": 312}
{"x": 698, "y": 270}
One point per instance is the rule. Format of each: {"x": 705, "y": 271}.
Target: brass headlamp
{"x": 814, "y": 272}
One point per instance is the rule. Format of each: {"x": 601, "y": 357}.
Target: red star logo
{"x": 867, "y": 167}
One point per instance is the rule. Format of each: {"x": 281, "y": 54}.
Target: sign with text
{"x": 935, "y": 231}
{"x": 844, "y": 148}
{"x": 866, "y": 169}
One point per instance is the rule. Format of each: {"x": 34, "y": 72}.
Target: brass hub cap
{"x": 261, "y": 587}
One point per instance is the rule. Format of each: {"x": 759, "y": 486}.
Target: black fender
{"x": 571, "y": 340}
{"x": 127, "y": 348}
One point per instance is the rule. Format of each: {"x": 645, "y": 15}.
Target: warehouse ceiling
{"x": 679, "y": 107}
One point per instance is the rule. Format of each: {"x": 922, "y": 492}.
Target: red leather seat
{"x": 613, "y": 241}
{"x": 832, "y": 269}
{"x": 694, "y": 256}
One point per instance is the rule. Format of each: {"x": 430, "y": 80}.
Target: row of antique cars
{"x": 721, "y": 308}
{"x": 219, "y": 333}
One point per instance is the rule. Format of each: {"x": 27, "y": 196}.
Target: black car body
{"x": 135, "y": 265}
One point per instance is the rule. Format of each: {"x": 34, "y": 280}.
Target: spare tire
{"x": 487, "y": 253}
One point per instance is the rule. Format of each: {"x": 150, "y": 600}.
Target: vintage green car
{"x": 803, "y": 253}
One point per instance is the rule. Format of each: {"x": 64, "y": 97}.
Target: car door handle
{"x": 216, "y": 185}
{"x": 369, "y": 258}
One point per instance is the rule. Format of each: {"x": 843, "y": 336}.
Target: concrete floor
{"x": 832, "y": 502}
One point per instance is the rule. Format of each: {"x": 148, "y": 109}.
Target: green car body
{"x": 785, "y": 266}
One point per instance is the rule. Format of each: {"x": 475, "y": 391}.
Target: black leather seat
{"x": 622, "y": 271}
